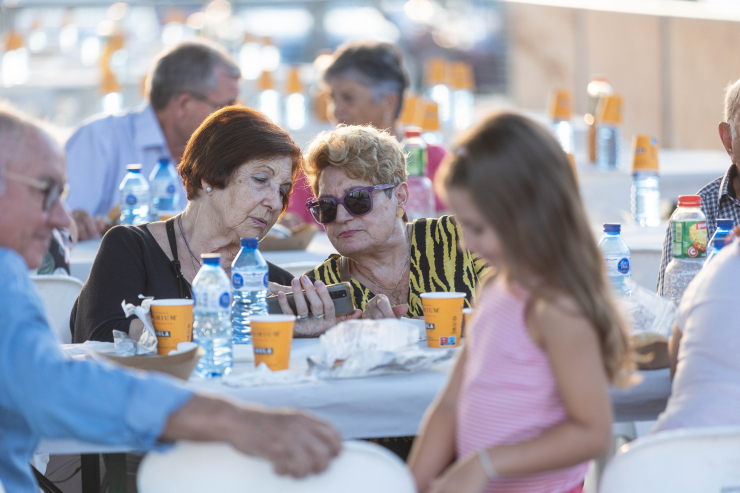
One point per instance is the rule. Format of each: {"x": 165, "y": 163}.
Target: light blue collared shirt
{"x": 100, "y": 149}
{"x": 43, "y": 393}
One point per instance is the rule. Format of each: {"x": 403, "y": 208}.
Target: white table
{"x": 382, "y": 406}
{"x": 294, "y": 261}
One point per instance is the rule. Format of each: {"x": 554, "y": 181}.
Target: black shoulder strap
{"x": 170, "y": 227}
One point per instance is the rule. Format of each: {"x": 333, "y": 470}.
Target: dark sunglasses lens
{"x": 325, "y": 211}
{"x": 358, "y": 202}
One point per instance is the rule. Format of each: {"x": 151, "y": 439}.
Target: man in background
{"x": 187, "y": 83}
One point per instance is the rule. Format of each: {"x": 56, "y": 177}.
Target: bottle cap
{"x": 644, "y": 153}
{"x": 133, "y": 168}
{"x": 294, "y": 81}
{"x": 561, "y": 105}
{"x": 436, "y": 72}
{"x": 164, "y": 161}
{"x": 265, "y": 82}
{"x": 412, "y": 132}
{"x": 250, "y": 243}
{"x": 610, "y": 110}
{"x": 409, "y": 109}
{"x": 612, "y": 228}
{"x": 689, "y": 201}
{"x": 211, "y": 258}
{"x": 462, "y": 76}
{"x": 725, "y": 223}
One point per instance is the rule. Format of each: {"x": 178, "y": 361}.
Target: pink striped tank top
{"x": 509, "y": 394}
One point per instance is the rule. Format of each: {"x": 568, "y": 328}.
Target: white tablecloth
{"x": 382, "y": 406}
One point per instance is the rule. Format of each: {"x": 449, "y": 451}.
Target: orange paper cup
{"x": 173, "y": 323}
{"x": 443, "y": 318}
{"x": 271, "y": 339}
{"x": 467, "y": 317}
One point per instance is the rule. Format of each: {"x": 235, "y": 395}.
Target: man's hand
{"x": 87, "y": 227}
{"x": 295, "y": 443}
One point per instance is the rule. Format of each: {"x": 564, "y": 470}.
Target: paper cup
{"x": 467, "y": 317}
{"x": 443, "y": 318}
{"x": 173, "y": 323}
{"x": 644, "y": 153}
{"x": 271, "y": 339}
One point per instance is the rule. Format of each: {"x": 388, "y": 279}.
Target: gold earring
{"x": 400, "y": 212}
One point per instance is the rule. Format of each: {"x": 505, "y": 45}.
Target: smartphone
{"x": 341, "y": 295}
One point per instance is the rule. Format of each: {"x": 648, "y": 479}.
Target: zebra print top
{"x": 437, "y": 264}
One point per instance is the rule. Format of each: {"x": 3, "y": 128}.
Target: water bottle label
{"x": 416, "y": 162}
{"x": 689, "y": 239}
{"x": 131, "y": 199}
{"x": 211, "y": 300}
{"x": 617, "y": 266}
{"x": 162, "y": 189}
{"x": 249, "y": 281}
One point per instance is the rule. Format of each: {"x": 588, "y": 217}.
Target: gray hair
{"x": 378, "y": 66}
{"x": 16, "y": 129}
{"x": 732, "y": 105}
{"x": 189, "y": 66}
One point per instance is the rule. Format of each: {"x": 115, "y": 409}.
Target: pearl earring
{"x": 209, "y": 189}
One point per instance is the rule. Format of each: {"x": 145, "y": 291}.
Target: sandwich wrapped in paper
{"x": 359, "y": 348}
{"x": 651, "y": 318}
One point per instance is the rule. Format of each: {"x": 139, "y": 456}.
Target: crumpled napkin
{"x": 125, "y": 346}
{"x": 263, "y": 376}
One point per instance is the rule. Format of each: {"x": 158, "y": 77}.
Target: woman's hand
{"x": 465, "y": 476}
{"x": 321, "y": 316}
{"x": 380, "y": 307}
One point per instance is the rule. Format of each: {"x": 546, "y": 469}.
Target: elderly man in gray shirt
{"x": 187, "y": 83}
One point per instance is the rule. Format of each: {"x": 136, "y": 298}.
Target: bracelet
{"x": 485, "y": 461}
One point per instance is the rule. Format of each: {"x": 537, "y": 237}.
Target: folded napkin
{"x": 262, "y": 376}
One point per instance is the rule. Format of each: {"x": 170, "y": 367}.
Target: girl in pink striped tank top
{"x": 527, "y": 405}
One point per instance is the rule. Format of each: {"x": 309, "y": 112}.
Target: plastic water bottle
{"x": 421, "y": 201}
{"x": 716, "y": 245}
{"x": 561, "y": 111}
{"x": 689, "y": 247}
{"x": 249, "y": 277}
{"x": 608, "y": 143}
{"x": 617, "y": 257}
{"x": 212, "y": 317}
{"x": 165, "y": 187}
{"x": 134, "y": 196}
{"x": 645, "y": 197}
{"x": 724, "y": 228}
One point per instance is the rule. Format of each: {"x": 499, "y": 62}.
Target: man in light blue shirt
{"x": 43, "y": 393}
{"x": 187, "y": 83}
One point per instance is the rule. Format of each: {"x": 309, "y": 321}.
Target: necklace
{"x": 192, "y": 255}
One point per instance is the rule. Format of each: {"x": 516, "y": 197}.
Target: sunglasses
{"x": 52, "y": 190}
{"x": 357, "y": 202}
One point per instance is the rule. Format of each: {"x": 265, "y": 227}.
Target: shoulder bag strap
{"x": 170, "y": 227}
{"x": 344, "y": 269}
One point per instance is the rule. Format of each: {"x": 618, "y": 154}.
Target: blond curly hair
{"x": 363, "y": 152}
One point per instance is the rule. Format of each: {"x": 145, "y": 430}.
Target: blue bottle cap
{"x": 133, "y": 168}
{"x": 612, "y": 228}
{"x": 164, "y": 161}
{"x": 725, "y": 223}
{"x": 211, "y": 258}
{"x": 250, "y": 243}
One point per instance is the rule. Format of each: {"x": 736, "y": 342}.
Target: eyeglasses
{"x": 53, "y": 190}
{"x": 205, "y": 99}
{"x": 357, "y": 202}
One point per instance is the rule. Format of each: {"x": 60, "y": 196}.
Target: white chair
{"x": 677, "y": 461}
{"x": 2, "y": 490}
{"x": 58, "y": 294}
{"x": 201, "y": 468}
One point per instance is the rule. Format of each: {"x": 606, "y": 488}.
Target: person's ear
{"x": 180, "y": 104}
{"x": 402, "y": 194}
{"x": 725, "y": 134}
{"x": 208, "y": 189}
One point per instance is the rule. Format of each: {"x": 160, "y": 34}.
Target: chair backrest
{"x": 2, "y": 490}
{"x": 189, "y": 467}
{"x": 58, "y": 294}
{"x": 678, "y": 461}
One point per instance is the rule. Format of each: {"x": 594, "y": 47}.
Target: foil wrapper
{"x": 645, "y": 311}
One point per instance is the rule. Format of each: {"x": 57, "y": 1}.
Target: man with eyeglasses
{"x": 187, "y": 83}
{"x": 44, "y": 393}
{"x": 720, "y": 199}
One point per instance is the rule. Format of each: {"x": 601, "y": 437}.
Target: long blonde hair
{"x": 522, "y": 182}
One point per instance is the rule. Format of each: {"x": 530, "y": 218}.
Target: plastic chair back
{"x": 361, "y": 467}
{"x": 677, "y": 461}
{"x": 58, "y": 294}
{"x": 2, "y": 490}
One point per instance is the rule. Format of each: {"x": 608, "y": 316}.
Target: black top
{"x": 129, "y": 262}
